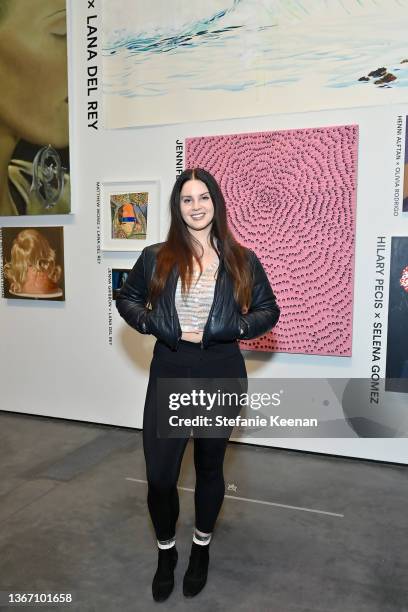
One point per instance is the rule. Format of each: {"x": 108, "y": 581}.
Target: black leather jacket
{"x": 225, "y": 323}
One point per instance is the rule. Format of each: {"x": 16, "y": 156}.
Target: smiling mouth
{"x": 198, "y": 216}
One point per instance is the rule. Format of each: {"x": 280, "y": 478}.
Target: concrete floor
{"x": 74, "y": 520}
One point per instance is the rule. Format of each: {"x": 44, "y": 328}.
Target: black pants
{"x": 164, "y": 455}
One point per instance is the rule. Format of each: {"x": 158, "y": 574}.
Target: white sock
{"x": 201, "y": 538}
{"x": 164, "y": 544}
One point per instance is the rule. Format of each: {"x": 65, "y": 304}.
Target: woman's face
{"x": 33, "y": 71}
{"x": 196, "y": 205}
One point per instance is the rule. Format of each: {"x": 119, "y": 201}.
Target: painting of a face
{"x": 33, "y": 71}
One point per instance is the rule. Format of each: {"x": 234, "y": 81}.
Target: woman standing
{"x": 197, "y": 293}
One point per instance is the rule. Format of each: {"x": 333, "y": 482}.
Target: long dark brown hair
{"x": 179, "y": 246}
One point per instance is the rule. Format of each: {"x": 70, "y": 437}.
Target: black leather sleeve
{"x": 132, "y": 298}
{"x": 264, "y": 311}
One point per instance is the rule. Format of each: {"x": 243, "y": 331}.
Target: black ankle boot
{"x": 163, "y": 581}
{"x": 196, "y": 574}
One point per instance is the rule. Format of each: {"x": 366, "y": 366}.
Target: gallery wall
{"x": 77, "y": 359}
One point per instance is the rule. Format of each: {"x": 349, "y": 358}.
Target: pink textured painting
{"x": 291, "y": 198}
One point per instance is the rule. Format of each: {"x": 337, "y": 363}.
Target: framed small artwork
{"x": 33, "y": 263}
{"x": 130, "y": 218}
{"x": 119, "y": 278}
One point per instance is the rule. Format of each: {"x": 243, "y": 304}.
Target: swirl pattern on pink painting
{"x": 404, "y": 279}
{"x": 291, "y": 198}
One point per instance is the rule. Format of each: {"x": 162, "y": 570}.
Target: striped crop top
{"x": 194, "y": 308}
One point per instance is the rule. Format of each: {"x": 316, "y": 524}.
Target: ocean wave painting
{"x": 170, "y": 61}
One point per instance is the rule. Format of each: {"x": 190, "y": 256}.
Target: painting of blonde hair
{"x": 30, "y": 249}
